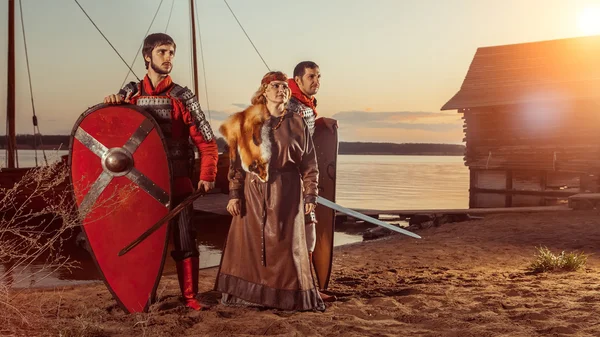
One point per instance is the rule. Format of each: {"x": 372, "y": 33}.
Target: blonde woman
{"x": 273, "y": 184}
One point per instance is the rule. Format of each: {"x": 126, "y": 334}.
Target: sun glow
{"x": 589, "y": 20}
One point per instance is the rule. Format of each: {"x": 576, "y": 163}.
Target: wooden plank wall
{"x": 548, "y": 136}
{"x": 534, "y": 154}
{"x": 522, "y": 188}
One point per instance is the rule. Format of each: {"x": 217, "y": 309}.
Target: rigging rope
{"x": 238, "y": 21}
{"x": 192, "y": 52}
{"x": 93, "y": 23}
{"x": 170, "y": 12}
{"x": 34, "y": 118}
{"x": 203, "y": 67}
{"x": 142, "y": 44}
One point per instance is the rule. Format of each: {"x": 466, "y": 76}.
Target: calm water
{"x": 402, "y": 182}
{"x": 372, "y": 182}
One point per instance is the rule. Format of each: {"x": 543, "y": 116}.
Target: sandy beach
{"x": 461, "y": 279}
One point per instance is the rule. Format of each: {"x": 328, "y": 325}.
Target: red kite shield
{"x": 121, "y": 180}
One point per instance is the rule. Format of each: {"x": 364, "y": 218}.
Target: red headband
{"x": 275, "y": 76}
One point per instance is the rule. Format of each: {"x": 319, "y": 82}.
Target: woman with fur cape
{"x": 273, "y": 182}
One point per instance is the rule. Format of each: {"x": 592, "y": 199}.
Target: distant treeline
{"x": 54, "y": 141}
{"x": 30, "y": 141}
{"x": 401, "y": 149}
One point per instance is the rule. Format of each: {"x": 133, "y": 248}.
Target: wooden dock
{"x": 585, "y": 201}
{"x": 215, "y": 204}
{"x": 473, "y": 211}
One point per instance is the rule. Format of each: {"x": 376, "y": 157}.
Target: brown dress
{"x": 265, "y": 260}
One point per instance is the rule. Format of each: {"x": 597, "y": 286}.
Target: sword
{"x": 355, "y": 214}
{"x": 165, "y": 219}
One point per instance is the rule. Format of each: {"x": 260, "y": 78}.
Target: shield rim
{"x": 327, "y": 278}
{"x": 140, "y": 110}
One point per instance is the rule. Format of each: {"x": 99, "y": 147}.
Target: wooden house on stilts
{"x": 532, "y": 122}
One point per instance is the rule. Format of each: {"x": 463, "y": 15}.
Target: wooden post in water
{"x": 10, "y": 92}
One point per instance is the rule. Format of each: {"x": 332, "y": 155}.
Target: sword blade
{"x": 163, "y": 221}
{"x": 357, "y": 215}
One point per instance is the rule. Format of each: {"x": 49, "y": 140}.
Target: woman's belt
{"x": 285, "y": 169}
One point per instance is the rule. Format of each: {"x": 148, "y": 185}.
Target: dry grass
{"x": 32, "y": 239}
{"x": 32, "y": 235}
{"x": 546, "y": 261}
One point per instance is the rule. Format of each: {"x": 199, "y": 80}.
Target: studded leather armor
{"x": 306, "y": 112}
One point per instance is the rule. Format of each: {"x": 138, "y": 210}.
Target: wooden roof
{"x": 519, "y": 73}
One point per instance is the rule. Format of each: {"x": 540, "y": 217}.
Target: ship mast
{"x": 10, "y": 94}
{"x": 195, "y": 61}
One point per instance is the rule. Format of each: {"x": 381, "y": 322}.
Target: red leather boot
{"x": 187, "y": 273}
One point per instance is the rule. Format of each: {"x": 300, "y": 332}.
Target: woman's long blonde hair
{"x": 259, "y": 97}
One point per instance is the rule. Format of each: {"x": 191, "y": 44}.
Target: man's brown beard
{"x": 158, "y": 70}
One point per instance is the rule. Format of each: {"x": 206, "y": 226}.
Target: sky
{"x": 387, "y": 66}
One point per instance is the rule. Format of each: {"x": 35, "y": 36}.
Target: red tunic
{"x": 177, "y": 111}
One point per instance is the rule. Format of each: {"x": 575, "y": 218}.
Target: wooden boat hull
{"x": 35, "y": 191}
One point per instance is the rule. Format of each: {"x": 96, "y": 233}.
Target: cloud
{"x": 216, "y": 115}
{"x": 240, "y": 105}
{"x": 220, "y": 115}
{"x": 357, "y": 134}
{"x": 407, "y": 120}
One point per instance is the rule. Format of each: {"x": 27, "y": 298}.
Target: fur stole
{"x": 247, "y": 134}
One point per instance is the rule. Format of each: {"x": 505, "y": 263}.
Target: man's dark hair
{"x": 154, "y": 40}
{"x": 301, "y": 68}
